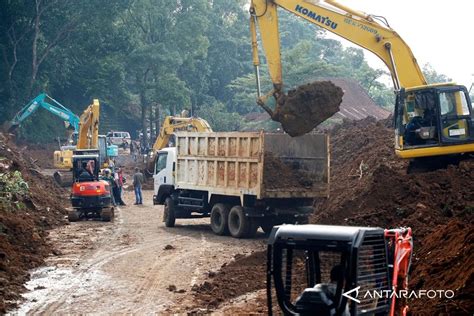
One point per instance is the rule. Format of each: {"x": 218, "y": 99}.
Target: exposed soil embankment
{"x": 370, "y": 187}
{"x": 24, "y": 219}
{"x": 307, "y": 106}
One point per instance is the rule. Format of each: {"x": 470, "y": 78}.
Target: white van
{"x": 119, "y": 138}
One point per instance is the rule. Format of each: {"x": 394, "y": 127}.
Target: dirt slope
{"x": 369, "y": 186}
{"x": 23, "y": 223}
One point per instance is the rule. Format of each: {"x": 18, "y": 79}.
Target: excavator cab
{"x": 434, "y": 120}
{"x": 327, "y": 270}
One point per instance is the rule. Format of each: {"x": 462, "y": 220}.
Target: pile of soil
{"x": 279, "y": 175}
{"x": 307, "y": 106}
{"x": 40, "y": 154}
{"x": 370, "y": 187}
{"x": 24, "y": 224}
{"x": 240, "y": 276}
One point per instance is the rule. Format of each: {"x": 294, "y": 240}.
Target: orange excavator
{"x": 90, "y": 196}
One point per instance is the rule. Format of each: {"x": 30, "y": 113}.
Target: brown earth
{"x": 307, "y": 106}
{"x": 23, "y": 223}
{"x": 278, "y": 175}
{"x": 234, "y": 279}
{"x": 369, "y": 186}
{"x": 39, "y": 154}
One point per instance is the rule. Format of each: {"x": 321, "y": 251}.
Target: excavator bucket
{"x": 307, "y": 106}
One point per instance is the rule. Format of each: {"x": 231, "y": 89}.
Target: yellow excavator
{"x": 430, "y": 119}
{"x": 88, "y": 139}
{"x": 173, "y": 124}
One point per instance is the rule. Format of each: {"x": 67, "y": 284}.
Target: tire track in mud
{"x": 125, "y": 268}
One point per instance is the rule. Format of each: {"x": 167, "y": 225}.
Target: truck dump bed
{"x": 253, "y": 163}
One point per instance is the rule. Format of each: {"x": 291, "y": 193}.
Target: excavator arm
{"x": 88, "y": 137}
{"x": 41, "y": 101}
{"x": 362, "y": 29}
{"x": 173, "y": 124}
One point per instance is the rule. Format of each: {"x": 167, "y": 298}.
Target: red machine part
{"x": 92, "y": 188}
{"x": 400, "y": 243}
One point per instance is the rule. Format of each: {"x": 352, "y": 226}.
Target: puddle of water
{"x": 50, "y": 284}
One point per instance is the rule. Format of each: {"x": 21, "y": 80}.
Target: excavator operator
{"x": 421, "y": 128}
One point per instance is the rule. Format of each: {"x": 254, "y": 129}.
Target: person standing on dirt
{"x": 119, "y": 180}
{"x": 138, "y": 180}
{"x": 110, "y": 180}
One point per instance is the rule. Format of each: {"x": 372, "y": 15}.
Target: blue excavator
{"x": 62, "y": 157}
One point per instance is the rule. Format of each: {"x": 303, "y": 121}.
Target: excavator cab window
{"x": 456, "y": 118}
{"x": 434, "y": 116}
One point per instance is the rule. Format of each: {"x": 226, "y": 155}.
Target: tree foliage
{"x": 146, "y": 59}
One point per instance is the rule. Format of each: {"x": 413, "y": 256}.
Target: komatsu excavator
{"x": 430, "y": 119}
{"x": 173, "y": 124}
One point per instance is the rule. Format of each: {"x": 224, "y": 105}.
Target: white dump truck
{"x": 241, "y": 180}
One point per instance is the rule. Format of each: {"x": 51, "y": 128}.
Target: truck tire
{"x": 169, "y": 216}
{"x": 73, "y": 216}
{"x": 107, "y": 214}
{"x": 219, "y": 219}
{"x": 241, "y": 226}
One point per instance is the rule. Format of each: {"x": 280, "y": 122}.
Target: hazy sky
{"x": 438, "y": 32}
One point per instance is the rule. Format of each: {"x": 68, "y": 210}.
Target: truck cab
{"x": 163, "y": 176}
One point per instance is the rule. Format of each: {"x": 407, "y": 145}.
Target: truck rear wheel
{"x": 219, "y": 219}
{"x": 241, "y": 226}
{"x": 169, "y": 216}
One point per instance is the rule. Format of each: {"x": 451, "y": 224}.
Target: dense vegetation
{"x": 148, "y": 58}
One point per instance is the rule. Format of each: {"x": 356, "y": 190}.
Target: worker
{"x": 119, "y": 181}
{"x": 111, "y": 164}
{"x": 84, "y": 173}
{"x": 107, "y": 176}
{"x": 337, "y": 274}
{"x": 138, "y": 180}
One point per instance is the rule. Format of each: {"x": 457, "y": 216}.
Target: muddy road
{"x": 133, "y": 265}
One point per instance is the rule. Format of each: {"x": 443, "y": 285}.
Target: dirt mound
{"x": 307, "y": 106}
{"x": 370, "y": 187}
{"x": 40, "y": 154}
{"x": 24, "y": 219}
{"x": 243, "y": 275}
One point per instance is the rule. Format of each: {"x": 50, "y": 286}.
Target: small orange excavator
{"x": 90, "y": 197}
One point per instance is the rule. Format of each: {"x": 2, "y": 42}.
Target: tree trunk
{"x": 152, "y": 134}
{"x": 144, "y": 108}
{"x": 34, "y": 50}
{"x": 157, "y": 118}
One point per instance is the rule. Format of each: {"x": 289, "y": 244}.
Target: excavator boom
{"x": 89, "y": 127}
{"x": 173, "y": 124}
{"x": 49, "y": 104}
{"x": 360, "y": 28}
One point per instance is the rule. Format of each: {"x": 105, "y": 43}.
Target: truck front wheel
{"x": 219, "y": 219}
{"x": 168, "y": 214}
{"x": 241, "y": 226}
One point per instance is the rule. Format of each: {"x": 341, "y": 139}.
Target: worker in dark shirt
{"x": 138, "y": 181}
